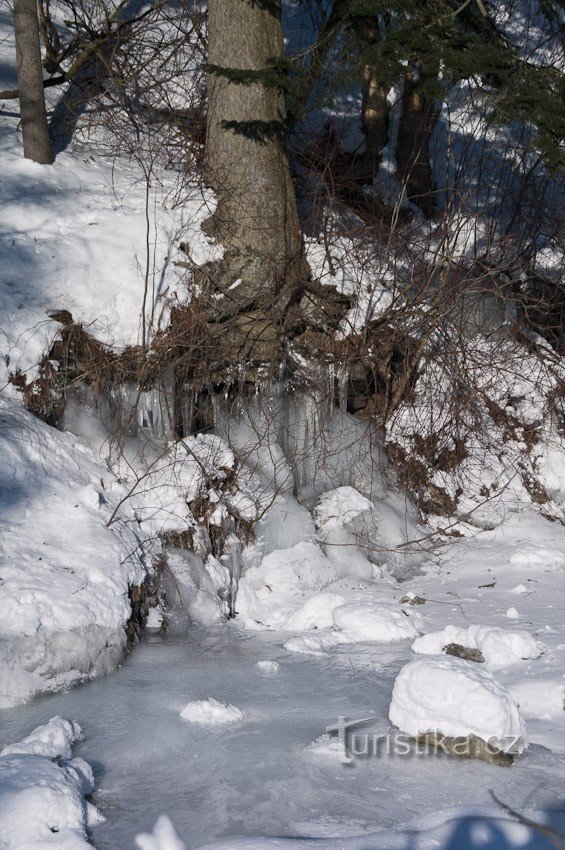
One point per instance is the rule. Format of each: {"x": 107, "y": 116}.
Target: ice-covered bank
{"x": 234, "y": 782}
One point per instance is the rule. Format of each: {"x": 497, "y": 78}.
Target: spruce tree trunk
{"x": 246, "y": 159}
{"x": 414, "y": 169}
{"x": 35, "y": 131}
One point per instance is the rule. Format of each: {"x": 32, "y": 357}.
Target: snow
{"x": 274, "y": 590}
{"x": 329, "y": 546}
{"x": 43, "y": 790}
{"x": 499, "y": 647}
{"x": 108, "y": 222}
{"x": 458, "y": 827}
{"x": 53, "y": 740}
{"x": 163, "y": 837}
{"x": 268, "y": 667}
{"x": 456, "y": 698}
{"x": 64, "y": 585}
{"x": 210, "y": 712}
{"x": 377, "y": 622}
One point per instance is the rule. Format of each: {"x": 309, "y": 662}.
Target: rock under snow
{"x": 499, "y": 647}
{"x": 457, "y": 699}
{"x": 210, "y": 712}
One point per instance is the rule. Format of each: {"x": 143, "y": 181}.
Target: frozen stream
{"x": 253, "y": 777}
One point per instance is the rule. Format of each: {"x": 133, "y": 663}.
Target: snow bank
{"x": 64, "y": 574}
{"x": 210, "y": 712}
{"x": 377, "y": 622}
{"x": 42, "y": 791}
{"x": 500, "y": 648}
{"x": 107, "y": 220}
{"x": 284, "y": 580}
{"x": 456, "y": 698}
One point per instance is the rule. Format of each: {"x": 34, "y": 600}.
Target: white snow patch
{"x": 163, "y": 837}
{"x": 268, "y": 667}
{"x": 540, "y": 698}
{"x": 210, "y": 712}
{"x": 326, "y": 746}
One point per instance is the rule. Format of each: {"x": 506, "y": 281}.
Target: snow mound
{"x": 455, "y": 698}
{"x": 210, "y": 712}
{"x": 268, "y": 668}
{"x": 42, "y": 791}
{"x": 325, "y": 746}
{"x": 314, "y": 644}
{"x": 377, "y": 622}
{"x": 274, "y": 590}
{"x": 499, "y": 647}
{"x": 316, "y": 613}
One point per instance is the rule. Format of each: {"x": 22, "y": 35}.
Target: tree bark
{"x": 35, "y": 132}
{"x": 246, "y": 158}
{"x": 374, "y": 104}
{"x": 419, "y": 116}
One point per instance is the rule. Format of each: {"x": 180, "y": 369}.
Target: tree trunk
{"x": 246, "y": 159}
{"x": 35, "y": 131}
{"x": 414, "y": 170}
{"x": 374, "y": 105}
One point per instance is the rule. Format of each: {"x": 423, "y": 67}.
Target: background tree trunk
{"x": 419, "y": 116}
{"x": 35, "y": 131}
{"x": 374, "y": 106}
{"x": 246, "y": 159}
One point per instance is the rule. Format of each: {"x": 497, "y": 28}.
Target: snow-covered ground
{"x": 222, "y": 725}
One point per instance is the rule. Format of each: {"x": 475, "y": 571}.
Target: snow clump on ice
{"x": 455, "y": 698}
{"x": 268, "y": 667}
{"x": 499, "y": 647}
{"x": 210, "y": 712}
